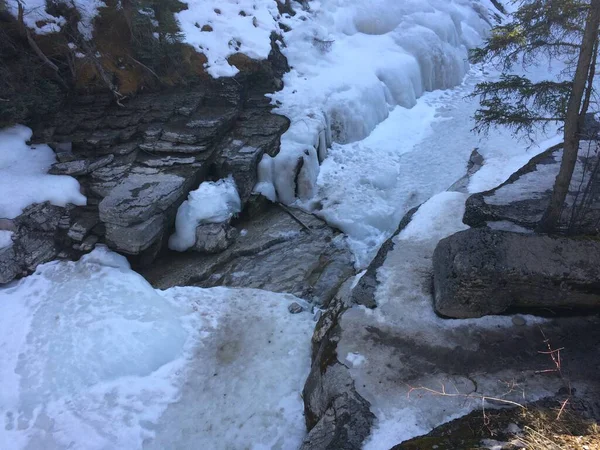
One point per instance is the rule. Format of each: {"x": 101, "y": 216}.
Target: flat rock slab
{"x": 272, "y": 252}
{"x": 523, "y": 198}
{"x": 482, "y": 271}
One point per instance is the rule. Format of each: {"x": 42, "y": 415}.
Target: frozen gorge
{"x": 95, "y": 358}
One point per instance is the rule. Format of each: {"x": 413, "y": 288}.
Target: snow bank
{"x": 221, "y": 28}
{"x": 352, "y": 64}
{"x": 94, "y": 358}
{"x": 212, "y": 202}
{"x": 23, "y": 175}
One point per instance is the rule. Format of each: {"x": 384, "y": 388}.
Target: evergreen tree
{"x": 565, "y": 30}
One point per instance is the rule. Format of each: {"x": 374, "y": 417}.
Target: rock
{"x": 134, "y": 239}
{"x": 295, "y": 308}
{"x": 170, "y": 147}
{"x": 80, "y": 167}
{"x": 213, "y": 237}
{"x": 87, "y": 245}
{"x": 337, "y": 416}
{"x": 10, "y": 266}
{"x": 519, "y": 321}
{"x": 138, "y": 197}
{"x": 473, "y": 165}
{"x": 82, "y": 227}
{"x": 275, "y": 253}
{"x": 524, "y": 197}
{"x": 481, "y": 271}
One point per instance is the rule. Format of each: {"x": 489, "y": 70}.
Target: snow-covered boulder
{"x": 520, "y": 202}
{"x": 213, "y": 203}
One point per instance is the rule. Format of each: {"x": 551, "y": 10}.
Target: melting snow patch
{"x": 23, "y": 175}
{"x": 212, "y": 202}
{"x": 93, "y": 358}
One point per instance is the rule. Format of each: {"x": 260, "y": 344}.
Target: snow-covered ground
{"x": 94, "y": 358}
{"x": 23, "y": 175}
{"x": 388, "y": 375}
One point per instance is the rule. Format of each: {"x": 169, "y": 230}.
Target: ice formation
{"x": 212, "y": 202}
{"x": 94, "y": 358}
{"x": 23, "y": 175}
{"x": 353, "y": 63}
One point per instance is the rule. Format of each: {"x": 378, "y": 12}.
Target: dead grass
{"x": 543, "y": 431}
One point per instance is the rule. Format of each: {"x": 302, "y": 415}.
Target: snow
{"x": 237, "y": 26}
{"x": 95, "y": 358}
{"x": 37, "y": 18}
{"x": 34, "y": 13}
{"x": 353, "y": 64}
{"x": 5, "y": 238}
{"x": 212, "y": 202}
{"x": 404, "y": 313}
{"x": 23, "y": 175}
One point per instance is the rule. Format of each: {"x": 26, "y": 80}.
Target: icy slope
{"x": 94, "y": 358}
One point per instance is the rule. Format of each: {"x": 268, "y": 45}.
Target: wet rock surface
{"x": 481, "y": 271}
{"x": 273, "y": 250}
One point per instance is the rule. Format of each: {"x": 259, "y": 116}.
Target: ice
{"x": 94, "y": 358}
{"x": 407, "y": 332}
{"x": 353, "y": 64}
{"x": 5, "y": 238}
{"x": 23, "y": 175}
{"x": 212, "y": 202}
{"x": 221, "y": 28}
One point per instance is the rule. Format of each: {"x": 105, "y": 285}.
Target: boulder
{"x": 214, "y": 237}
{"x": 481, "y": 271}
{"x": 524, "y": 197}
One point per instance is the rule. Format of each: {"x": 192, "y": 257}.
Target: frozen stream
{"x": 365, "y": 188}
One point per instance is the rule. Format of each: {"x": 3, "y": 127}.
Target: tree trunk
{"x": 551, "y": 219}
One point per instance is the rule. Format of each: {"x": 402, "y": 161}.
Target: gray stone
{"x": 274, "y": 253}
{"x": 87, "y": 245}
{"x": 80, "y": 167}
{"x": 171, "y": 147}
{"x": 138, "y": 197}
{"x": 135, "y": 238}
{"x": 481, "y": 271}
{"x": 10, "y": 266}
{"x": 213, "y": 237}
{"x": 179, "y": 137}
{"x": 295, "y": 308}
{"x": 519, "y": 321}
{"x": 82, "y": 227}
